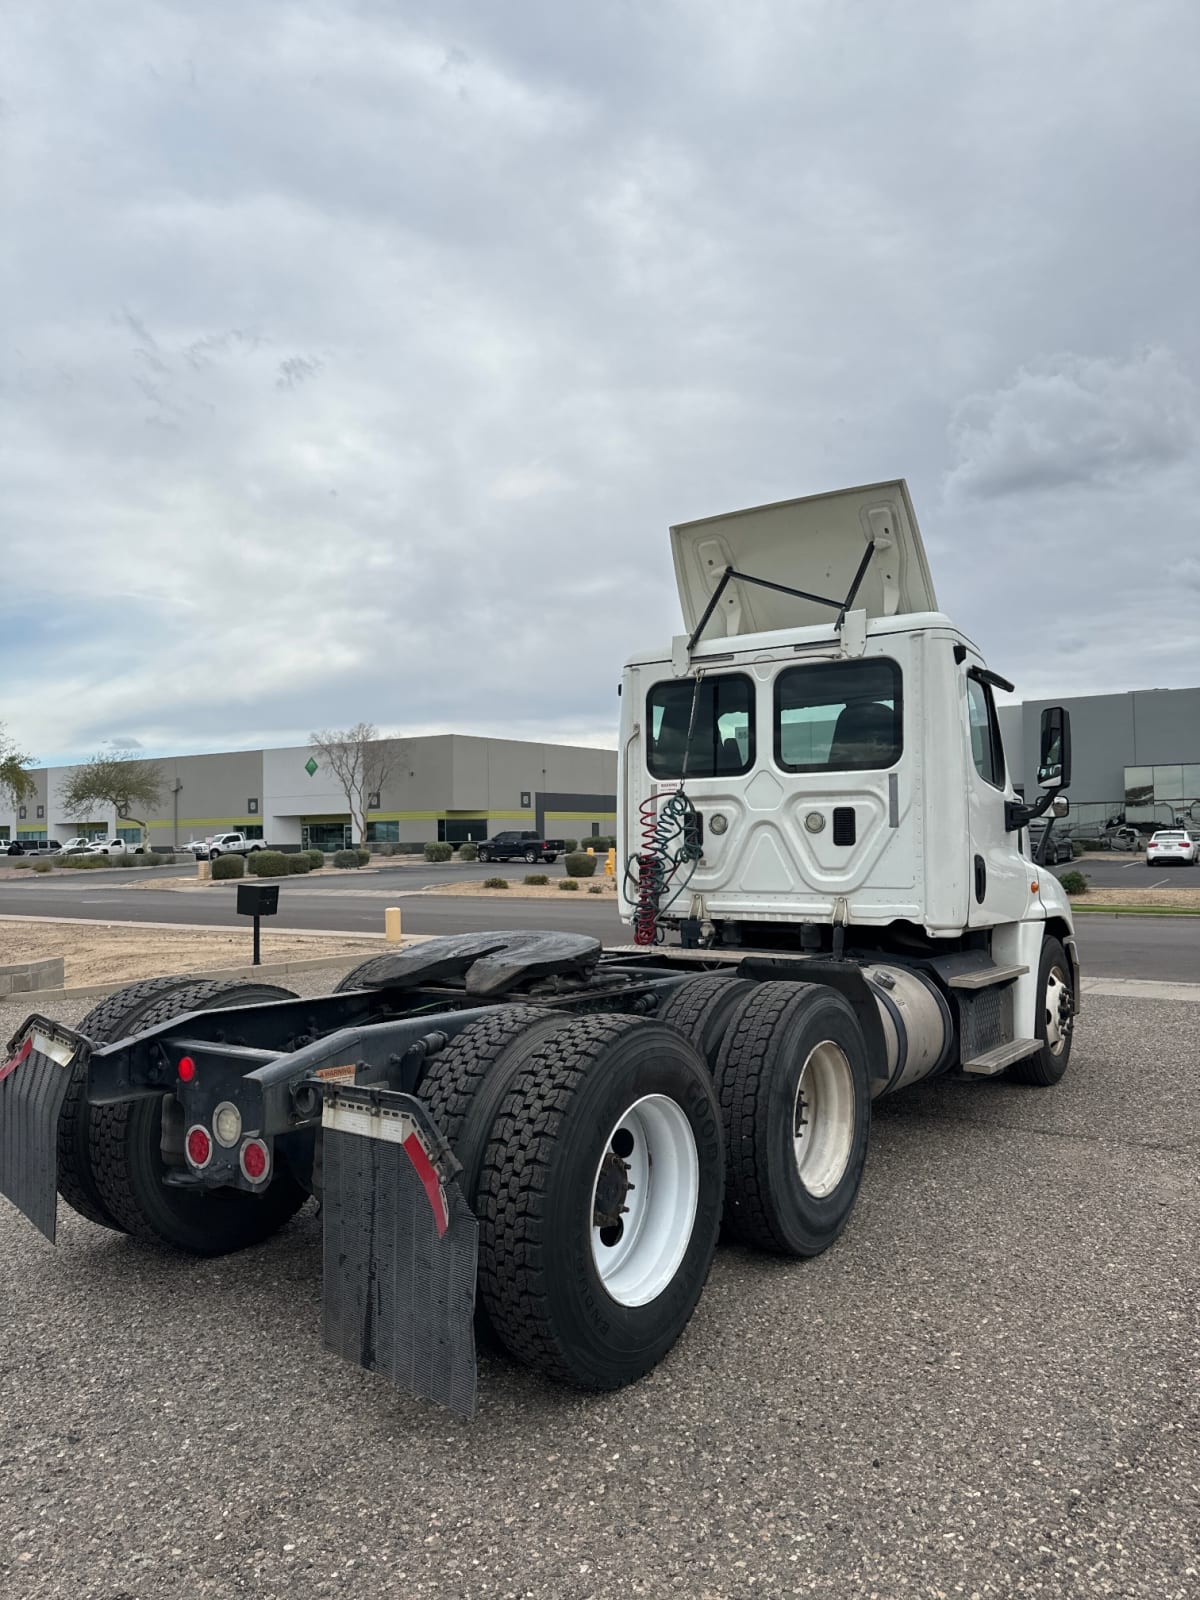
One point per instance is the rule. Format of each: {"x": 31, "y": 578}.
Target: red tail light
{"x": 186, "y": 1069}
{"x": 256, "y": 1161}
{"x": 199, "y": 1146}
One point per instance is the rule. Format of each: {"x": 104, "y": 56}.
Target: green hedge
{"x": 570, "y": 844}
{"x": 495, "y": 883}
{"x": 364, "y": 856}
{"x": 234, "y": 866}
{"x": 299, "y": 863}
{"x": 345, "y": 858}
{"x": 316, "y": 859}
{"x": 1074, "y": 882}
{"x": 269, "y": 863}
{"x": 535, "y": 880}
{"x": 580, "y": 864}
{"x": 469, "y": 851}
{"x": 438, "y": 852}
{"x": 568, "y": 883}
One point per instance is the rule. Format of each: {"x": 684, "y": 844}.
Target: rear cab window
{"x": 717, "y": 713}
{"x": 839, "y": 716}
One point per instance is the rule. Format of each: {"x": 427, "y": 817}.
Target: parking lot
{"x": 987, "y": 1387}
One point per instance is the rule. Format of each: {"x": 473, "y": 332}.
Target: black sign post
{"x": 257, "y": 900}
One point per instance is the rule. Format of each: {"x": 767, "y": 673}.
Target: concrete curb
{"x": 1142, "y": 989}
{"x": 182, "y": 927}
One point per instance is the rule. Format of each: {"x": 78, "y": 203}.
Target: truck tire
{"x": 1053, "y": 1028}
{"x": 214, "y": 855}
{"x": 700, "y": 1009}
{"x": 531, "y": 856}
{"x": 485, "y": 855}
{"x": 550, "y": 860}
{"x": 128, "y": 1168}
{"x": 600, "y": 1200}
{"x": 795, "y": 1096}
{"x": 115, "y": 1017}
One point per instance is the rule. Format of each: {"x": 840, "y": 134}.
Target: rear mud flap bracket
{"x": 36, "y": 1068}
{"x": 400, "y": 1247}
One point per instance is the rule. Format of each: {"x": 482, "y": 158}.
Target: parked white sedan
{"x": 1171, "y": 844}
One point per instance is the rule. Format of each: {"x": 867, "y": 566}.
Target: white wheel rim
{"x": 823, "y": 1119}
{"x": 649, "y": 1169}
{"x": 1056, "y": 989}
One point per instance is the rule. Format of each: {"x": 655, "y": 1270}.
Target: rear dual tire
{"x": 592, "y": 1158}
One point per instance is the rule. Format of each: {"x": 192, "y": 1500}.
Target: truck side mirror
{"x": 1054, "y": 762}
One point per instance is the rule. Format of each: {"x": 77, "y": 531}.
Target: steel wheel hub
{"x": 823, "y": 1119}
{"x": 1058, "y": 1010}
{"x": 644, "y": 1199}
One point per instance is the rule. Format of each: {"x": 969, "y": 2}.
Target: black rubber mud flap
{"x": 401, "y": 1247}
{"x": 35, "y": 1073}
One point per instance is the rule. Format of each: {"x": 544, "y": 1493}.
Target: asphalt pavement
{"x": 986, "y": 1388}
{"x": 1166, "y": 948}
{"x": 1118, "y": 871}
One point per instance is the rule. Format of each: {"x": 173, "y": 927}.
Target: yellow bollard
{"x": 590, "y": 851}
{"x": 610, "y": 864}
{"x": 391, "y": 924}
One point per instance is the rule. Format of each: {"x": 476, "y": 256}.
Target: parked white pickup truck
{"x": 227, "y": 844}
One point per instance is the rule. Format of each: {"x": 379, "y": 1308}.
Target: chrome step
{"x": 1001, "y": 1056}
{"x": 985, "y": 977}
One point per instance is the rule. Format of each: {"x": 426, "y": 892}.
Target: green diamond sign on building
{"x": 310, "y": 766}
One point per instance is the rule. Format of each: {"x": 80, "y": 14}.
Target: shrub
{"x": 19, "y": 861}
{"x": 580, "y": 864}
{"x": 235, "y": 867}
{"x": 316, "y": 859}
{"x": 299, "y": 863}
{"x": 435, "y": 851}
{"x": 595, "y": 888}
{"x": 126, "y": 860}
{"x": 1074, "y": 882}
{"x": 535, "y": 879}
{"x": 469, "y": 851}
{"x": 495, "y": 883}
{"x": 570, "y": 844}
{"x": 345, "y": 858}
{"x": 364, "y": 856}
{"x": 266, "y": 863}
{"x": 567, "y": 883}
{"x": 42, "y": 866}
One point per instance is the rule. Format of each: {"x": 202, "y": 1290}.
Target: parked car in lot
{"x": 76, "y": 846}
{"x": 31, "y": 847}
{"x": 1057, "y": 848}
{"x": 227, "y": 844}
{"x": 1171, "y": 844}
{"x": 523, "y": 846}
{"x": 114, "y": 847}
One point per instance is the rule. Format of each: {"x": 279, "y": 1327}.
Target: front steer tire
{"x": 795, "y": 1095}
{"x": 541, "y": 1183}
{"x": 127, "y": 1163}
{"x": 1046, "y": 1067}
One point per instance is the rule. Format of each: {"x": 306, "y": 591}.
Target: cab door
{"x": 999, "y": 876}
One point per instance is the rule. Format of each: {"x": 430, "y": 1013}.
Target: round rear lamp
{"x": 199, "y": 1146}
{"x": 256, "y": 1160}
{"x": 227, "y": 1124}
{"x": 186, "y": 1069}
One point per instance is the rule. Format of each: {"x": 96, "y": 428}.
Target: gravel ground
{"x": 986, "y": 1388}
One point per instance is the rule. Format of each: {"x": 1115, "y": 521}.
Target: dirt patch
{"x": 1168, "y": 899}
{"x": 100, "y": 954}
{"x": 520, "y": 891}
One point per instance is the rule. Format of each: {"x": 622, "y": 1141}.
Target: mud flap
{"x": 400, "y": 1245}
{"x": 34, "y": 1076}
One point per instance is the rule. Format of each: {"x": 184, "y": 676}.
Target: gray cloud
{"x": 355, "y": 362}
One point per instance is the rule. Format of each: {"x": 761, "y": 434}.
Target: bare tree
{"x": 129, "y": 783}
{"x": 362, "y": 763}
{"x": 15, "y": 781}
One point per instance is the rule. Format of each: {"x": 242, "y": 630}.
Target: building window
{"x": 252, "y": 807}
{"x": 130, "y": 835}
{"x": 253, "y": 830}
{"x": 457, "y": 830}
{"x": 1139, "y": 785}
{"x": 383, "y": 833}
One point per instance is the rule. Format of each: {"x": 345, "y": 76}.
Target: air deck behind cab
{"x": 827, "y": 877}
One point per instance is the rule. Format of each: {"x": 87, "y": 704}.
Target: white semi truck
{"x": 829, "y": 901}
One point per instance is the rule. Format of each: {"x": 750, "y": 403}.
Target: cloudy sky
{"x": 354, "y": 357}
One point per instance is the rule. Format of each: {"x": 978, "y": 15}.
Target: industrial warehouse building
{"x": 1135, "y": 755}
{"x": 448, "y": 786}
